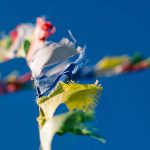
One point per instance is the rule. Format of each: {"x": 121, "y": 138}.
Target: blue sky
{"x": 107, "y": 28}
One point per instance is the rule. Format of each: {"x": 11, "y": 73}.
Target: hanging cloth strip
{"x": 45, "y": 83}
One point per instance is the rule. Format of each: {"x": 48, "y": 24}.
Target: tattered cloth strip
{"x": 72, "y": 122}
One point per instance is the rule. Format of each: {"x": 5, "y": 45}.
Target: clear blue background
{"x": 108, "y": 28}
